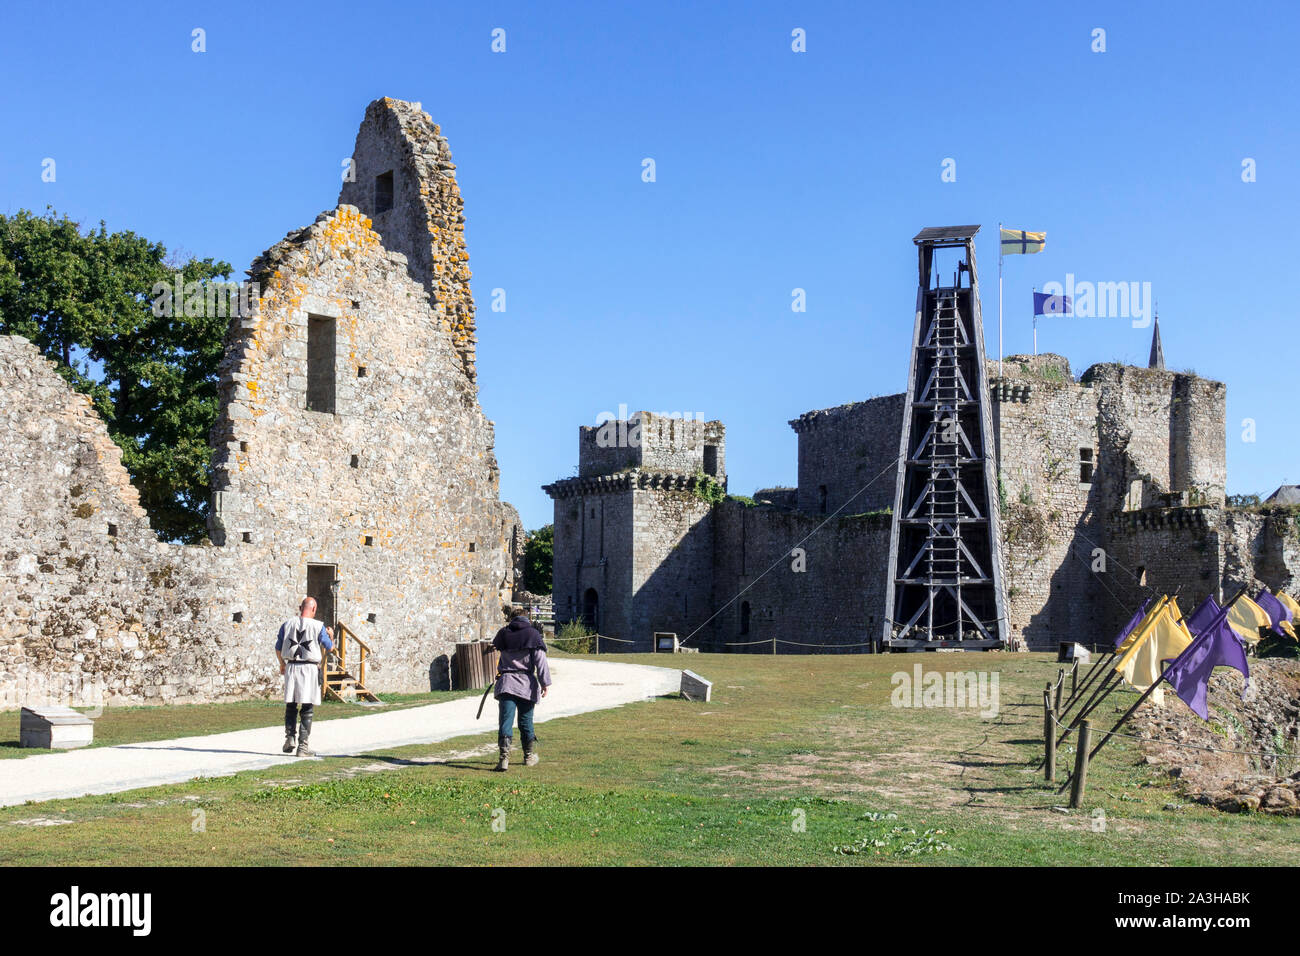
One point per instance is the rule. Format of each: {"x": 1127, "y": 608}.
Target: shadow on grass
{"x": 460, "y": 763}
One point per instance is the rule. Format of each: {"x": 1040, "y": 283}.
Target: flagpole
{"x": 999, "y": 300}
{"x": 1035, "y": 325}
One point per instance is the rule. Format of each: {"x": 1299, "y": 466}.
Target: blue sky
{"x": 775, "y": 170}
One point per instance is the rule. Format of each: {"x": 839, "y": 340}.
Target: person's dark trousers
{"x": 291, "y": 718}
{"x": 507, "y": 706}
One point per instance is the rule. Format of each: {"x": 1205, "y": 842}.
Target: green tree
{"x": 87, "y": 301}
{"x": 539, "y": 559}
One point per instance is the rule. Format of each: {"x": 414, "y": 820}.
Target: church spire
{"x": 1157, "y": 359}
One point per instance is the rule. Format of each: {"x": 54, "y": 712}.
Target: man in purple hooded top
{"x": 523, "y": 675}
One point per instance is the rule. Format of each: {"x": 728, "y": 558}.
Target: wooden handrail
{"x": 344, "y": 629}
{"x": 336, "y": 661}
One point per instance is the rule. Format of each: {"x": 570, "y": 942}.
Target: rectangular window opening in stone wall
{"x": 711, "y": 460}
{"x": 821, "y": 498}
{"x": 383, "y": 192}
{"x": 321, "y": 346}
{"x": 1085, "y": 465}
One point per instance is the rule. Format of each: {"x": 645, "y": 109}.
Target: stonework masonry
{"x": 1108, "y": 486}
{"x": 349, "y": 448}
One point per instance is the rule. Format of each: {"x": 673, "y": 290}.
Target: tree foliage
{"x": 85, "y": 299}
{"x": 539, "y": 560}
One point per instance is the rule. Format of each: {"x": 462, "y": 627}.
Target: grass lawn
{"x": 795, "y": 761}
{"x": 125, "y": 725}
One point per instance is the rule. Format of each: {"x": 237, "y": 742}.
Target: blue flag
{"x": 1133, "y": 622}
{"x": 1215, "y": 646}
{"x": 1045, "y": 304}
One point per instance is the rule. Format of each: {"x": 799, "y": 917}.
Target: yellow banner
{"x": 1164, "y": 638}
{"x": 1246, "y": 618}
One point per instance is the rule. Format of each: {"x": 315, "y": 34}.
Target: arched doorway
{"x": 591, "y": 609}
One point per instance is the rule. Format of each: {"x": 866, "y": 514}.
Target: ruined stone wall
{"x": 1169, "y": 549}
{"x": 838, "y": 599}
{"x": 396, "y": 488}
{"x": 606, "y": 449}
{"x": 844, "y": 449}
{"x": 425, "y": 216}
{"x": 1166, "y": 429}
{"x": 1262, "y": 549}
{"x": 362, "y": 452}
{"x": 652, "y": 443}
{"x": 95, "y": 608}
{"x": 1044, "y": 428}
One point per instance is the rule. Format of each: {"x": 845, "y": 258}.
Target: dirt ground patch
{"x": 1247, "y": 756}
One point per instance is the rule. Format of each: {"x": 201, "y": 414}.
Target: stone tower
{"x": 634, "y": 529}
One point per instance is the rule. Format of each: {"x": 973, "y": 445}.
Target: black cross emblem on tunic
{"x": 299, "y": 644}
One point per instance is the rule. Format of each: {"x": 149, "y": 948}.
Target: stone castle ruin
{"x": 351, "y": 462}
{"x": 1102, "y": 487}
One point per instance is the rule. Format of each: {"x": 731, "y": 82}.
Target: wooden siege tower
{"x": 944, "y": 585}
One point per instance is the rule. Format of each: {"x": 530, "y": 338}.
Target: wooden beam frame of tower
{"x": 944, "y": 577}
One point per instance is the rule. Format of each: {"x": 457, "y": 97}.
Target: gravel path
{"x": 580, "y": 686}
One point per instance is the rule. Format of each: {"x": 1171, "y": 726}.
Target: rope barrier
{"x": 768, "y": 640}
{"x": 803, "y": 644}
{"x": 1176, "y": 743}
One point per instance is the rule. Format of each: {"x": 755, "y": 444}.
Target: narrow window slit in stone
{"x": 383, "y": 192}
{"x": 320, "y": 363}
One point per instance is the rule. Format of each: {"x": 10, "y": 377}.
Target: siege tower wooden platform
{"x": 944, "y": 586}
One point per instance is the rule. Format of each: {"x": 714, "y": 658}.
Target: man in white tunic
{"x": 298, "y": 647}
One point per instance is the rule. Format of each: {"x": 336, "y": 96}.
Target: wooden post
{"x": 1049, "y": 737}
{"x": 1104, "y": 689}
{"x": 1081, "y": 765}
{"x": 1074, "y": 679}
{"x": 1060, "y": 686}
{"x": 774, "y": 646}
{"x": 1098, "y": 668}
